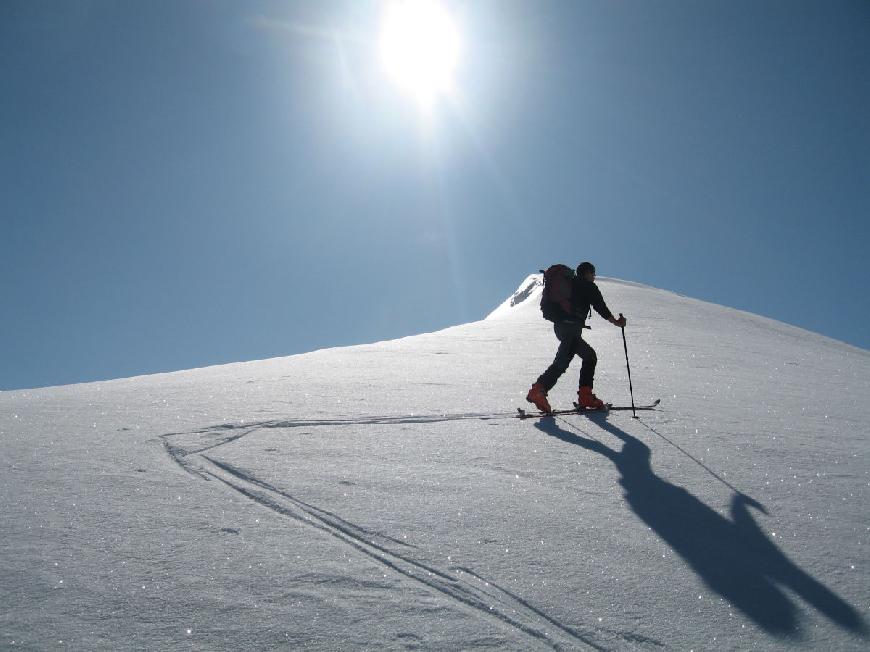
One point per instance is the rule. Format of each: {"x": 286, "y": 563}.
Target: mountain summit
{"x": 384, "y": 496}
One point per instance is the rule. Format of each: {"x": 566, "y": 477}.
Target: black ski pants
{"x": 571, "y": 343}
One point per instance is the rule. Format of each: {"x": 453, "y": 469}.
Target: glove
{"x": 621, "y": 322}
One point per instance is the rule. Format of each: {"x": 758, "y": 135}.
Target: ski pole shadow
{"x": 732, "y": 557}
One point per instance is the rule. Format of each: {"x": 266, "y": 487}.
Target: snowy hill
{"x": 384, "y": 497}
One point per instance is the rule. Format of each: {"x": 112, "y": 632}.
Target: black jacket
{"x": 585, "y": 294}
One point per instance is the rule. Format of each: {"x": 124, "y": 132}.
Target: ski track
{"x": 462, "y": 585}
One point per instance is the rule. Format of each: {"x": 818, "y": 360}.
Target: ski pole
{"x": 628, "y": 366}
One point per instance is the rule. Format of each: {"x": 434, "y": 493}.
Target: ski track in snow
{"x": 465, "y": 587}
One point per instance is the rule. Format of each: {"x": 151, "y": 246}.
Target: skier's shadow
{"x": 732, "y": 557}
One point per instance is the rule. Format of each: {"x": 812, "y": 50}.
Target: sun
{"x": 419, "y": 47}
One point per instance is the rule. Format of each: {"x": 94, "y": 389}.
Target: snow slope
{"x": 383, "y": 496}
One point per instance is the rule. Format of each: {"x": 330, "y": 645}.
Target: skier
{"x": 569, "y": 330}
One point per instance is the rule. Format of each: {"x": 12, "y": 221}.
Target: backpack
{"x": 556, "y": 298}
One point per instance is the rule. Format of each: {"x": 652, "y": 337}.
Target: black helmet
{"x": 582, "y": 268}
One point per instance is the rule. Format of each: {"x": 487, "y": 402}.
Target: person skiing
{"x": 568, "y": 327}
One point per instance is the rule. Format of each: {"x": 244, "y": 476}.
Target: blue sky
{"x": 187, "y": 183}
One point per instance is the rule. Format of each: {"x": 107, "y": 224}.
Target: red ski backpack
{"x": 556, "y": 297}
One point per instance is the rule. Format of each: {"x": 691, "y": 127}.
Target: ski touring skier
{"x": 569, "y": 319}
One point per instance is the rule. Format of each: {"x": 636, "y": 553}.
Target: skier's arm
{"x": 602, "y": 309}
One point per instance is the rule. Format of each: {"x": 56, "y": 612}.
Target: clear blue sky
{"x": 186, "y": 183}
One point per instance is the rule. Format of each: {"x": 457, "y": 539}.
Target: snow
{"x": 383, "y": 496}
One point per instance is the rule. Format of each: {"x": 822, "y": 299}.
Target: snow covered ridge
{"x": 385, "y": 497}
{"x": 528, "y": 292}
{"x": 524, "y": 303}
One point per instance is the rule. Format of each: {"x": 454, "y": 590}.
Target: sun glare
{"x": 419, "y": 47}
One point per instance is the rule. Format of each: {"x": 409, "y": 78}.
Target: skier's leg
{"x": 567, "y": 334}
{"x": 590, "y": 360}
{"x": 585, "y": 398}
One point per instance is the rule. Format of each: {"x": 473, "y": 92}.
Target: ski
{"x": 651, "y": 406}
{"x": 522, "y": 414}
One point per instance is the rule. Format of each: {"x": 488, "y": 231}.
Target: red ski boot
{"x": 538, "y": 396}
{"x": 588, "y": 401}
